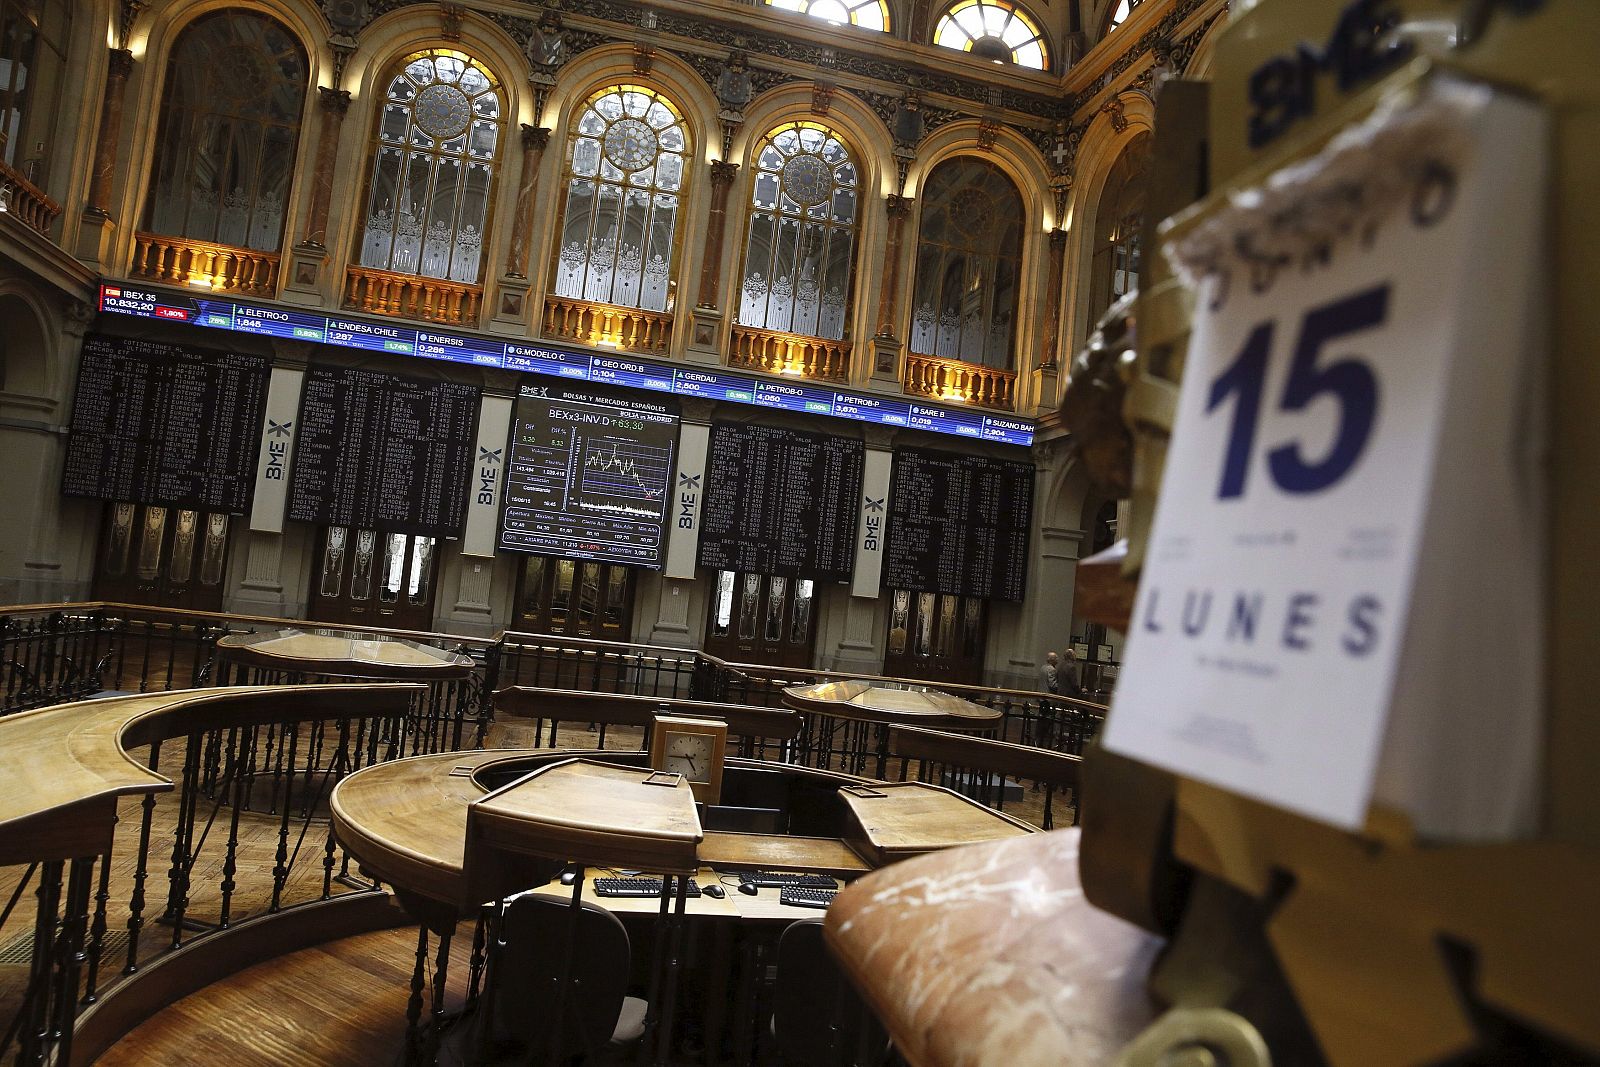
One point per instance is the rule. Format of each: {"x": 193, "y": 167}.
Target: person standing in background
{"x": 1069, "y": 679}
{"x": 1049, "y": 674}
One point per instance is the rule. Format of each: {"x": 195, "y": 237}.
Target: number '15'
{"x": 1350, "y": 382}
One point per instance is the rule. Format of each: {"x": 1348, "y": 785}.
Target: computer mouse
{"x": 569, "y": 876}
{"x": 715, "y": 892}
{"x": 748, "y": 889}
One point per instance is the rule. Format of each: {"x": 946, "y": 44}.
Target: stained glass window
{"x": 33, "y": 58}
{"x": 870, "y": 14}
{"x": 439, "y": 137}
{"x": 230, "y": 125}
{"x": 969, "y": 255}
{"x": 624, "y": 195}
{"x": 1120, "y": 13}
{"x": 993, "y": 29}
{"x": 804, "y": 214}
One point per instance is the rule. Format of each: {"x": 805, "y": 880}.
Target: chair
{"x": 598, "y": 1016}
{"x": 819, "y": 1019}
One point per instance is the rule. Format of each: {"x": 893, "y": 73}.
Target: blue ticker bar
{"x": 628, "y": 371}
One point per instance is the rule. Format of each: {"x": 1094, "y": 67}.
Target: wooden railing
{"x": 967, "y": 383}
{"x": 25, "y": 201}
{"x": 237, "y": 863}
{"x": 606, "y": 325}
{"x": 788, "y": 353}
{"x": 412, "y": 296}
{"x": 183, "y": 261}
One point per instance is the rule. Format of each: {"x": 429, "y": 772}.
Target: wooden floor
{"x": 337, "y": 1005}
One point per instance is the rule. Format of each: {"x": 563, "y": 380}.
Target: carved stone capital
{"x": 822, "y": 97}
{"x": 723, "y": 172}
{"x": 535, "y": 138}
{"x": 121, "y": 64}
{"x": 898, "y": 207}
{"x": 333, "y": 101}
{"x": 451, "y": 17}
{"x": 1119, "y": 118}
{"x": 80, "y": 315}
{"x": 1058, "y": 240}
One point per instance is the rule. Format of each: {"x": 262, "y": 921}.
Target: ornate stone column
{"x": 1050, "y": 368}
{"x": 334, "y": 105}
{"x": 511, "y": 305}
{"x": 310, "y": 255}
{"x": 535, "y": 139}
{"x": 1048, "y": 356}
{"x": 95, "y": 236}
{"x": 722, "y": 175}
{"x": 707, "y": 313}
{"x": 886, "y": 344}
{"x": 898, "y": 207}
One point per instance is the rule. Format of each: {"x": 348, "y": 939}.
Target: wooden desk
{"x": 586, "y": 811}
{"x": 774, "y": 852}
{"x": 894, "y": 821}
{"x": 407, "y": 821}
{"x": 607, "y": 814}
{"x": 764, "y": 907}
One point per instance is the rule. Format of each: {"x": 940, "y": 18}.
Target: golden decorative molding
{"x": 789, "y": 353}
{"x": 412, "y": 296}
{"x": 25, "y": 201}
{"x": 204, "y": 264}
{"x": 606, "y": 325}
{"x": 954, "y": 380}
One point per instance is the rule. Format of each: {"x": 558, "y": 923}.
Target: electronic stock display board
{"x": 781, "y": 502}
{"x": 165, "y": 424}
{"x": 589, "y": 473}
{"x": 383, "y": 451}
{"x": 222, "y": 313}
{"x": 958, "y": 524}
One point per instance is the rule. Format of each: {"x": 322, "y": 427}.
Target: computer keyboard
{"x": 634, "y": 887}
{"x": 781, "y": 879}
{"x": 802, "y": 897}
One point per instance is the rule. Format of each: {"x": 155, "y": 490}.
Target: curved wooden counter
{"x": 626, "y": 709}
{"x": 891, "y": 705}
{"x": 990, "y": 955}
{"x": 62, "y": 768}
{"x": 340, "y": 655}
{"x": 409, "y": 823}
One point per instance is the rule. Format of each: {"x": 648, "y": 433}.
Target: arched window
{"x": 230, "y": 125}
{"x": 1120, "y": 13}
{"x": 1117, "y": 226}
{"x": 624, "y": 197}
{"x": 870, "y": 14}
{"x": 433, "y": 168}
{"x": 799, "y": 259}
{"x": 993, "y": 29}
{"x": 33, "y": 57}
{"x": 969, "y": 257}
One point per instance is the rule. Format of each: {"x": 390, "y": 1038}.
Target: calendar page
{"x": 1342, "y": 322}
